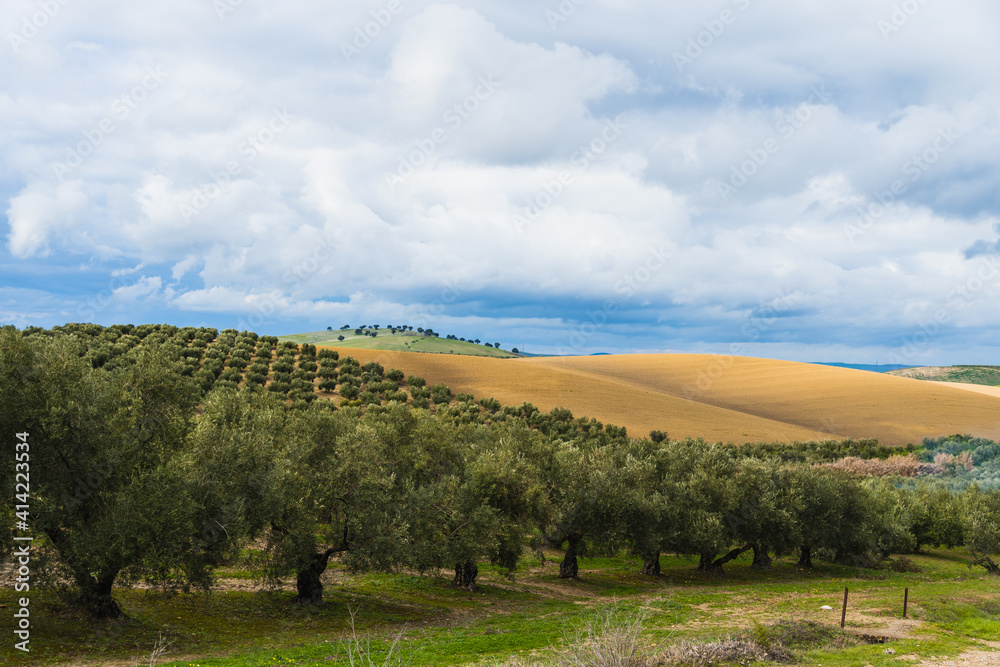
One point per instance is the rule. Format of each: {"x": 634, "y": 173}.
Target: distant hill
{"x": 720, "y": 398}
{"x": 875, "y": 368}
{"x": 984, "y": 375}
{"x": 408, "y": 341}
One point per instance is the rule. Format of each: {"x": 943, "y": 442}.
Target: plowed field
{"x": 720, "y": 398}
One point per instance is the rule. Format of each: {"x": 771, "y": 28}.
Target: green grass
{"x": 440, "y": 625}
{"x": 985, "y": 375}
{"x": 400, "y": 342}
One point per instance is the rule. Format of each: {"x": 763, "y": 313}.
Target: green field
{"x": 399, "y": 342}
{"x": 984, "y": 375}
{"x": 952, "y": 609}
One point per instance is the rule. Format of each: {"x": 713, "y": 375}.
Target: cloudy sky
{"x": 804, "y": 180}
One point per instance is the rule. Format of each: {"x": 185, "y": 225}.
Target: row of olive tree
{"x": 130, "y": 484}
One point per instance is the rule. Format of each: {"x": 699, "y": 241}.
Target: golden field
{"x": 719, "y": 398}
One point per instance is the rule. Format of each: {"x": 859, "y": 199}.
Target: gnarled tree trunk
{"x": 95, "y": 593}
{"x": 805, "y": 557}
{"x": 761, "y": 558}
{"x": 651, "y": 565}
{"x": 308, "y": 584}
{"x": 987, "y": 562}
{"x": 465, "y": 576}
{"x": 706, "y": 564}
{"x": 569, "y": 569}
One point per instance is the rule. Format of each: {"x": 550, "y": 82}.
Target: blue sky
{"x": 810, "y": 180}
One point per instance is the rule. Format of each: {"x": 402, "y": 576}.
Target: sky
{"x": 802, "y": 180}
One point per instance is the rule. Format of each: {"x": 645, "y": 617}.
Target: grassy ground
{"x": 400, "y": 342}
{"x": 952, "y": 609}
{"x": 984, "y": 375}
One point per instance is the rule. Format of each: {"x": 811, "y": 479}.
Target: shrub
{"x": 416, "y": 381}
{"x": 238, "y": 363}
{"x": 256, "y": 378}
{"x": 328, "y": 385}
{"x": 440, "y": 393}
{"x": 328, "y": 354}
{"x": 282, "y": 366}
{"x": 394, "y": 374}
{"x": 373, "y": 367}
{"x": 370, "y": 398}
{"x": 490, "y": 404}
{"x": 399, "y": 396}
{"x": 279, "y": 387}
{"x": 308, "y": 365}
{"x": 349, "y": 391}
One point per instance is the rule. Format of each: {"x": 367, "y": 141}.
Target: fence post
{"x": 906, "y": 600}
{"x": 843, "y": 614}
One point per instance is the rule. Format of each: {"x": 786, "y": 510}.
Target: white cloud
{"x": 198, "y": 183}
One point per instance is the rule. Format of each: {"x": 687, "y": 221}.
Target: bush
{"x": 281, "y": 388}
{"x": 256, "y": 378}
{"x": 416, "y": 381}
{"x": 328, "y": 354}
{"x": 282, "y": 366}
{"x": 465, "y": 398}
{"x": 231, "y": 375}
{"x": 422, "y": 403}
{"x": 327, "y": 373}
{"x": 490, "y": 404}
{"x": 328, "y": 385}
{"x": 349, "y": 391}
{"x": 238, "y": 363}
{"x": 369, "y": 398}
{"x": 308, "y": 365}
{"x": 395, "y": 375}
{"x": 399, "y": 396}
{"x": 440, "y": 393}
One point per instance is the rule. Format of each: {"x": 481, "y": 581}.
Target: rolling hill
{"x": 399, "y": 342}
{"x": 981, "y": 375}
{"x": 732, "y": 399}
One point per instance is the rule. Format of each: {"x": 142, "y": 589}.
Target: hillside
{"x": 983, "y": 375}
{"x": 749, "y": 399}
{"x": 398, "y": 342}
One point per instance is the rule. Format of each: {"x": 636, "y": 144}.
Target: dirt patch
{"x": 989, "y": 657}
